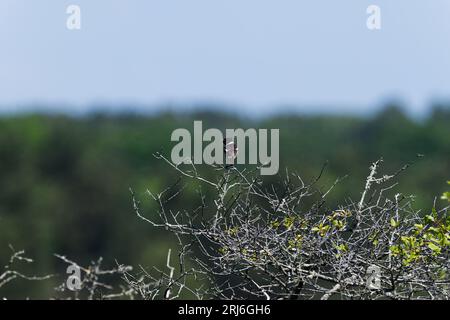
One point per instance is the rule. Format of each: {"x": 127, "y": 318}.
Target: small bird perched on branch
{"x": 230, "y": 150}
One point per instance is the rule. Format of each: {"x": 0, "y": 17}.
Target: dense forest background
{"x": 65, "y": 180}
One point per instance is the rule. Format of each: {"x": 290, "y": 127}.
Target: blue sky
{"x": 253, "y": 55}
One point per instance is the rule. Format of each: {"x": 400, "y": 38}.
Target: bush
{"x": 285, "y": 243}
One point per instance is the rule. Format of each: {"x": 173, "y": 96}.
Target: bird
{"x": 230, "y": 150}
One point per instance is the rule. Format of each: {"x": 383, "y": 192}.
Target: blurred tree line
{"x": 64, "y": 180}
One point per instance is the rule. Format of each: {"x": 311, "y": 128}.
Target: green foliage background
{"x": 64, "y": 181}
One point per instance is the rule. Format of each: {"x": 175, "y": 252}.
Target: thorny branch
{"x": 253, "y": 241}
{"x": 10, "y": 273}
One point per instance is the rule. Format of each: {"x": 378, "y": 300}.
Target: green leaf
{"x": 434, "y": 248}
{"x": 446, "y": 196}
{"x": 338, "y": 224}
{"x": 274, "y": 224}
{"x": 395, "y": 250}
{"x": 394, "y": 223}
{"x": 429, "y": 218}
{"x": 434, "y": 229}
{"x": 342, "y": 247}
{"x": 419, "y": 227}
{"x": 288, "y": 222}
